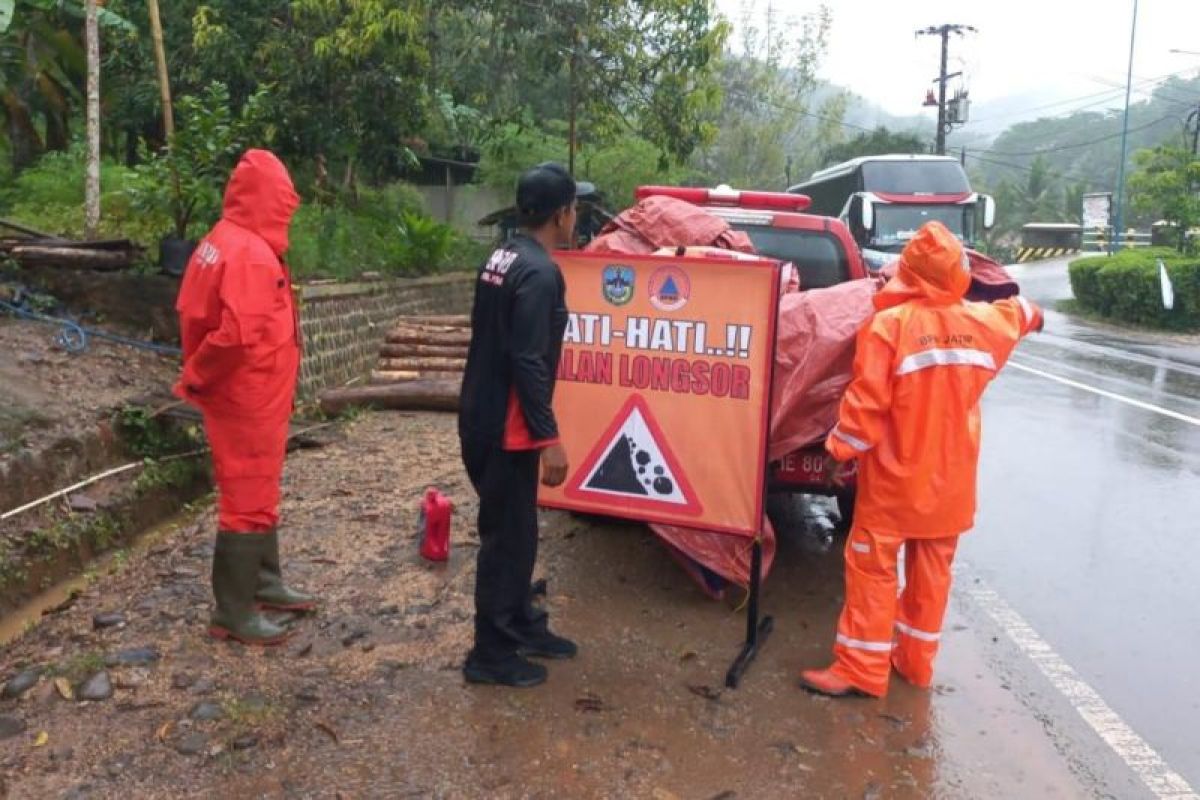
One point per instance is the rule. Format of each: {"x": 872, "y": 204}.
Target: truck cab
{"x": 821, "y": 248}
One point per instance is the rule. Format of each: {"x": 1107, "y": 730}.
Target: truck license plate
{"x": 807, "y": 468}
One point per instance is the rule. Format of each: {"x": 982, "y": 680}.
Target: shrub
{"x": 1125, "y": 287}
{"x": 49, "y": 197}
{"x": 383, "y": 230}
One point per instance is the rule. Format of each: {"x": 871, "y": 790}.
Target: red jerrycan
{"x": 435, "y": 525}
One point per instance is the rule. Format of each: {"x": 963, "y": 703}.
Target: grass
{"x": 1077, "y": 309}
{"x": 246, "y": 716}
{"x": 79, "y": 666}
{"x": 151, "y": 437}
{"x": 99, "y": 530}
{"x": 177, "y": 474}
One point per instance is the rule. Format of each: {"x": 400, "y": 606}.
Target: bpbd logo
{"x": 617, "y": 282}
{"x": 670, "y": 289}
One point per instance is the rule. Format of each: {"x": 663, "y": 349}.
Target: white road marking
{"x": 1120, "y": 398}
{"x": 1138, "y": 755}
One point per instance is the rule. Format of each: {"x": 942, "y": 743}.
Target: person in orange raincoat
{"x": 911, "y": 419}
{"x": 241, "y": 356}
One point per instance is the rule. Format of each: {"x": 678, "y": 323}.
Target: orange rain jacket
{"x": 241, "y": 349}
{"x": 911, "y": 414}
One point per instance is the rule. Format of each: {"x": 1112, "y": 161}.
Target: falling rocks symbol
{"x": 616, "y": 474}
{"x": 633, "y": 461}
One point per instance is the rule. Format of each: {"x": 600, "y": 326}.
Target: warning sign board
{"x": 663, "y": 388}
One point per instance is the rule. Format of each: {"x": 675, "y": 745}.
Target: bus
{"x": 884, "y": 200}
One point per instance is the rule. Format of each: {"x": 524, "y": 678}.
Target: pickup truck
{"x": 824, "y": 254}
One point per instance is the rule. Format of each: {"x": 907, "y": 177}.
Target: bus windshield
{"x": 896, "y": 224}
{"x": 915, "y": 177}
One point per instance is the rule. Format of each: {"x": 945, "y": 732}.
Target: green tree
{"x": 43, "y": 70}
{"x": 189, "y": 175}
{"x": 878, "y": 142}
{"x": 1040, "y": 198}
{"x": 642, "y": 67}
{"x": 1166, "y": 185}
{"x": 767, "y": 129}
{"x": 617, "y": 167}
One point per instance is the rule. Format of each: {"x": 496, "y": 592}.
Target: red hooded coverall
{"x": 241, "y": 350}
{"x": 911, "y": 418}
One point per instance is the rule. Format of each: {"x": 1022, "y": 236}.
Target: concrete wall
{"x": 345, "y": 323}
{"x": 463, "y": 206}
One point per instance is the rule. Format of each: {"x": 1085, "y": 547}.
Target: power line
{"x": 1052, "y": 173}
{"x": 796, "y": 110}
{"x": 1157, "y": 93}
{"x": 1077, "y": 145}
{"x": 1107, "y": 94}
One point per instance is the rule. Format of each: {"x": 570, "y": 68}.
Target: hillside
{"x": 1084, "y": 147}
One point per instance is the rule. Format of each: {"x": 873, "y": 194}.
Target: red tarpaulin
{"x": 658, "y": 222}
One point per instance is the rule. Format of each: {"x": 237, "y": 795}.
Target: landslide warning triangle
{"x": 632, "y": 465}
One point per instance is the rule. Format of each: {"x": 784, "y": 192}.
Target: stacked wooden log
{"x": 420, "y": 368}
{"x": 424, "y": 348}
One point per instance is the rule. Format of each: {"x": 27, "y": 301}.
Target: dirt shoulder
{"x": 47, "y": 394}
{"x": 367, "y": 701}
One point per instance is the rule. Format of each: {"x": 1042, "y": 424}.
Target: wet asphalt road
{"x": 1089, "y": 528}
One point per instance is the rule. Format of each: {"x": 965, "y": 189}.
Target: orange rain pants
{"x": 877, "y": 629}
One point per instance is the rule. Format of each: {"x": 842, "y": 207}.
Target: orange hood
{"x": 262, "y": 199}
{"x": 933, "y": 267}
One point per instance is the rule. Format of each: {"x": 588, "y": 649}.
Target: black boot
{"x": 545, "y": 644}
{"x": 273, "y": 593}
{"x": 511, "y": 671}
{"x": 236, "y": 563}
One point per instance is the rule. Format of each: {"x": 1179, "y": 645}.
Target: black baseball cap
{"x": 545, "y": 189}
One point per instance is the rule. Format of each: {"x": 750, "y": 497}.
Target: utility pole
{"x": 91, "y": 203}
{"x": 1120, "y": 221}
{"x": 160, "y": 61}
{"x": 1193, "y": 127}
{"x": 944, "y": 31}
{"x": 573, "y": 100}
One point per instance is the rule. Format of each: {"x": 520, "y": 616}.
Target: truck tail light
{"x": 725, "y": 196}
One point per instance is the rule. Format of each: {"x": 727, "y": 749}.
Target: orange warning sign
{"x": 663, "y": 388}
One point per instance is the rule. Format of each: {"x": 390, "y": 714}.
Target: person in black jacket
{"x": 507, "y": 427}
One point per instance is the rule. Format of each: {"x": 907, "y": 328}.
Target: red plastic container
{"x": 434, "y": 524}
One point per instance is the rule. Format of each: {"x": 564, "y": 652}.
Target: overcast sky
{"x": 1050, "y": 50}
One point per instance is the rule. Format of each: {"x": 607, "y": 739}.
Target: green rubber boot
{"x": 273, "y": 593}
{"x": 236, "y": 563}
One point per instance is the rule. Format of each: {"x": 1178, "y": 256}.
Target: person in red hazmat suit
{"x": 241, "y": 355}
{"x": 911, "y": 418}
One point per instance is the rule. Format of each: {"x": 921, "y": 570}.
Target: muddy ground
{"x": 367, "y": 701}
{"x": 48, "y": 394}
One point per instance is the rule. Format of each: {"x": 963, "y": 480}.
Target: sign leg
{"x": 757, "y": 630}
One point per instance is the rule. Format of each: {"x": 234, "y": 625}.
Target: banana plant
{"x": 42, "y": 69}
